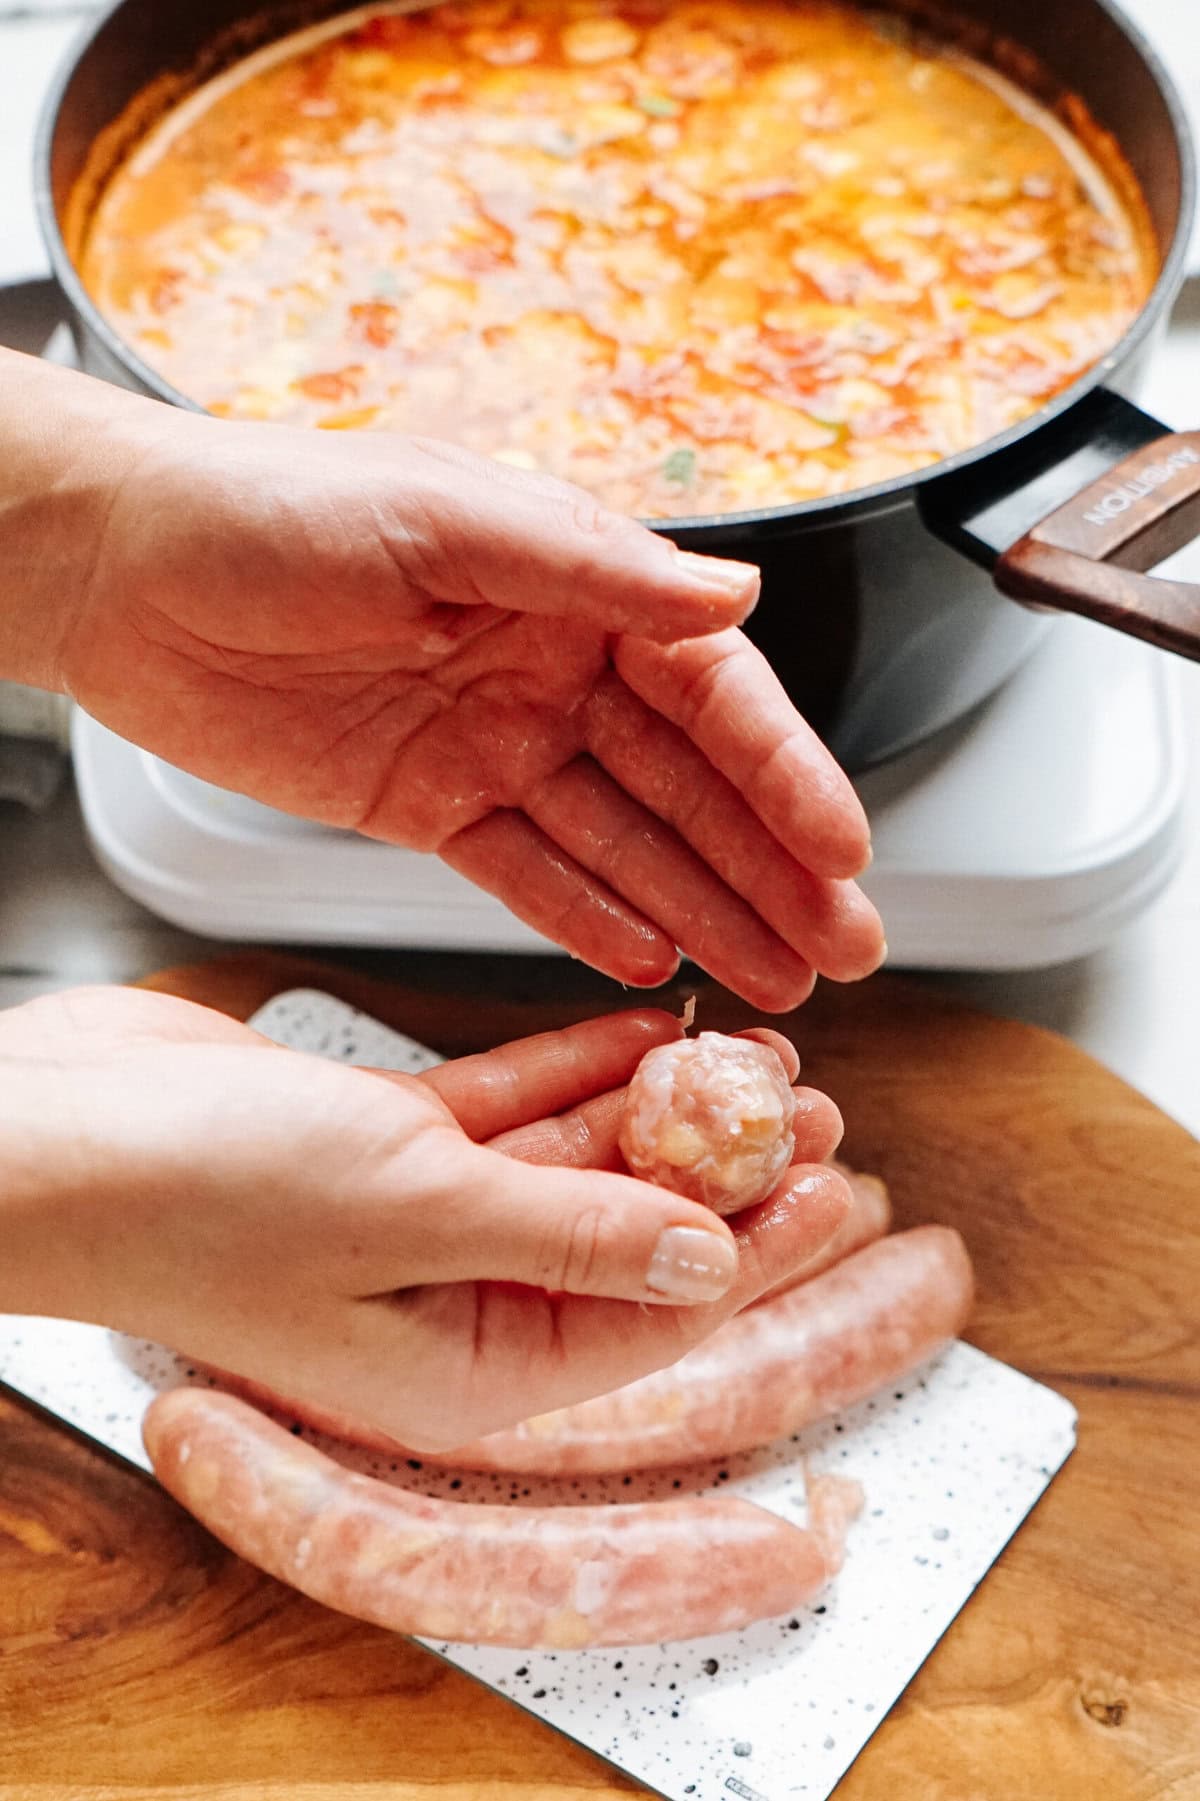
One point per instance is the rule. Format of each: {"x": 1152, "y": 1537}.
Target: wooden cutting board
{"x": 139, "y": 1660}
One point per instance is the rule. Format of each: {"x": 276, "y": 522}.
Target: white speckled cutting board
{"x": 950, "y": 1464}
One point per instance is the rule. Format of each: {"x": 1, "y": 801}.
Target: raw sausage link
{"x": 863, "y": 1325}
{"x": 532, "y": 1577}
{"x": 869, "y": 1218}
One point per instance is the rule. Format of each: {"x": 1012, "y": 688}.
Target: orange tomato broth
{"x": 698, "y": 257}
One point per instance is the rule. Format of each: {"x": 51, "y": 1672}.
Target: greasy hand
{"x": 447, "y": 654}
{"x": 369, "y": 1242}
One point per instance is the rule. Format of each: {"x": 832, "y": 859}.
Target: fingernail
{"x": 690, "y": 1265}
{"x": 740, "y": 579}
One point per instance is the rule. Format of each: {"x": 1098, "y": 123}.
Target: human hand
{"x": 397, "y": 637}
{"x": 369, "y": 1241}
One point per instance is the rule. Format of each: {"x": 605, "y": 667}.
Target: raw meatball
{"x": 710, "y": 1118}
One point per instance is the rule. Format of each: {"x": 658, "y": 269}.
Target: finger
{"x": 829, "y": 923}
{"x": 573, "y": 1346}
{"x": 507, "y": 856}
{"x": 788, "y": 1229}
{"x": 722, "y": 693}
{"x": 783, "y": 1047}
{"x": 774, "y": 1239}
{"x": 585, "y": 1137}
{"x": 648, "y": 864}
{"x": 578, "y": 1231}
{"x": 538, "y": 545}
{"x": 817, "y": 1126}
{"x": 525, "y": 1081}
{"x": 486, "y": 1217}
{"x": 869, "y": 1218}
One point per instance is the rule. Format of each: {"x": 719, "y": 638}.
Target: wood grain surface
{"x": 140, "y": 1661}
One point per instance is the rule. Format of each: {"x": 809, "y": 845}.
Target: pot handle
{"x": 1072, "y": 518}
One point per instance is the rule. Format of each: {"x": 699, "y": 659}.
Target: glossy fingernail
{"x": 740, "y": 579}
{"x": 689, "y": 1265}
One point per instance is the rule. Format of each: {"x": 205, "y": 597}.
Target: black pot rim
{"x": 830, "y": 510}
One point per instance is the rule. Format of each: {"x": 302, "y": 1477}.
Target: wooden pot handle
{"x": 1071, "y": 515}
{"x": 1088, "y": 556}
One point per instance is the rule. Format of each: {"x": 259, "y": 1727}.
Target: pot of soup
{"x": 859, "y": 295}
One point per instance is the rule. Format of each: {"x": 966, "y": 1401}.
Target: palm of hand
{"x": 412, "y": 741}
{"x": 400, "y": 670}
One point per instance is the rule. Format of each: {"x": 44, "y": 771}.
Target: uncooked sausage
{"x": 562, "y": 1578}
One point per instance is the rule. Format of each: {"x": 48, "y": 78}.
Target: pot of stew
{"x": 860, "y": 295}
